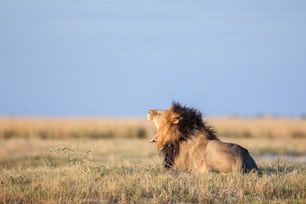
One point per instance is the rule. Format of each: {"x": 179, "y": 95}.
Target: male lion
{"x": 188, "y": 143}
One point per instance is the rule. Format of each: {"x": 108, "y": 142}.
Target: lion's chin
{"x": 153, "y": 140}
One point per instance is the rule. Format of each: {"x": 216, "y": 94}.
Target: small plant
{"x": 81, "y": 160}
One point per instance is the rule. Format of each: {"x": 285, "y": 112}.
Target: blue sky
{"x": 121, "y": 58}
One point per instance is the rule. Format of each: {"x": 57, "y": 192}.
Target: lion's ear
{"x": 175, "y": 119}
{"x": 175, "y": 122}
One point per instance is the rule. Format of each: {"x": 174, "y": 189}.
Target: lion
{"x": 188, "y": 143}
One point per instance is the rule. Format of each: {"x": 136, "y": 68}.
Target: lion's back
{"x": 226, "y": 157}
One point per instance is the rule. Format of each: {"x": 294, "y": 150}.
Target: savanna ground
{"x": 110, "y": 161}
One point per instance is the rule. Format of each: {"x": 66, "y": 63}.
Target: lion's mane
{"x": 180, "y": 124}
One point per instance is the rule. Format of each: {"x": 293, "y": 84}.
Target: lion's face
{"x": 157, "y": 117}
{"x": 165, "y": 122}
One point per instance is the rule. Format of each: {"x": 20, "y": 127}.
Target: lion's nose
{"x": 149, "y": 115}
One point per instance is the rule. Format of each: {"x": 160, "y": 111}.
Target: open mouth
{"x": 154, "y": 138}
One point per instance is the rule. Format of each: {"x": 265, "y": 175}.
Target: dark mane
{"x": 170, "y": 151}
{"x": 190, "y": 125}
{"x": 191, "y": 121}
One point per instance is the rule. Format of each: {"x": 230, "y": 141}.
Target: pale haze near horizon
{"x": 121, "y": 58}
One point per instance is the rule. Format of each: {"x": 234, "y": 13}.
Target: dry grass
{"x": 109, "y": 161}
{"x": 277, "y": 135}
{"x": 67, "y": 128}
{"x": 99, "y": 128}
{"x": 130, "y": 171}
{"x": 260, "y": 127}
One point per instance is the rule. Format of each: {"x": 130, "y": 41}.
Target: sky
{"x": 122, "y": 58}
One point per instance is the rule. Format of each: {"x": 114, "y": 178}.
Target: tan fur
{"x": 198, "y": 152}
{"x": 164, "y": 121}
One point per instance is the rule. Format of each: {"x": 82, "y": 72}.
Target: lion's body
{"x": 198, "y": 154}
{"x": 187, "y": 143}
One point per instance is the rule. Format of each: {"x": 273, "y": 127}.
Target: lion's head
{"x": 175, "y": 125}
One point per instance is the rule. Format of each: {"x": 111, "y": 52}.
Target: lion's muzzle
{"x": 150, "y": 115}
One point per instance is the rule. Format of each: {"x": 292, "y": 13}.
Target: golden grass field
{"x": 94, "y": 160}
{"x": 97, "y": 128}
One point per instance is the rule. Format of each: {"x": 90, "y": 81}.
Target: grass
{"x": 103, "y": 128}
{"x": 79, "y": 160}
{"x": 69, "y": 128}
{"x": 130, "y": 171}
{"x": 266, "y": 127}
